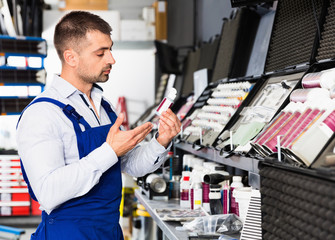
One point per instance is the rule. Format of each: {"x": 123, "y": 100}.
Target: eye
{"x": 100, "y": 55}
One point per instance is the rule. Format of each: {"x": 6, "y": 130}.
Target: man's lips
{"x": 107, "y": 71}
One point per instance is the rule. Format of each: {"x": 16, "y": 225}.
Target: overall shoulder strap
{"x": 68, "y": 110}
{"x": 109, "y": 110}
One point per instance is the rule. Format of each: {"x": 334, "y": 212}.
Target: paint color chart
{"x": 305, "y": 125}
{"x": 206, "y": 123}
{"x": 260, "y": 111}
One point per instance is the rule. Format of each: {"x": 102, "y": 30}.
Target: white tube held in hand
{"x": 167, "y": 102}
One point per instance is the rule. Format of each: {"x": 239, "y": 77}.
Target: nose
{"x": 110, "y": 58}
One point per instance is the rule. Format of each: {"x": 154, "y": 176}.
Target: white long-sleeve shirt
{"x": 47, "y": 146}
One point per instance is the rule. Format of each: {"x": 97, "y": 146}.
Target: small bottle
{"x": 205, "y": 190}
{"x": 237, "y": 183}
{"x": 185, "y": 190}
{"x": 196, "y": 191}
{"x": 166, "y": 102}
{"x": 174, "y": 187}
{"x": 215, "y": 199}
{"x": 225, "y": 199}
{"x": 170, "y": 157}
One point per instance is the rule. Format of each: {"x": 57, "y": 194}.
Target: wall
{"x": 209, "y": 18}
{"x": 180, "y": 22}
{"x": 129, "y": 9}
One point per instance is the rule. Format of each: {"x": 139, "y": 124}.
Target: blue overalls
{"x": 95, "y": 215}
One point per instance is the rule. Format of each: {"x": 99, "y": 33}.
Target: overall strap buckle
{"x": 70, "y": 111}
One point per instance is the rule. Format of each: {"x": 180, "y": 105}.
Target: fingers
{"x": 140, "y": 132}
{"x": 170, "y": 119}
{"x": 173, "y": 117}
{"x": 168, "y": 127}
{"x": 113, "y": 130}
{"x": 140, "y": 137}
{"x": 124, "y": 141}
{"x": 119, "y": 121}
{"x": 142, "y": 128}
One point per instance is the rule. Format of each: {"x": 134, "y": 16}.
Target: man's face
{"x": 95, "y": 58}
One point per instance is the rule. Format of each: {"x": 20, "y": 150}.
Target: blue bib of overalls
{"x": 95, "y": 215}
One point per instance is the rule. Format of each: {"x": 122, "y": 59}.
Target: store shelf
{"x": 241, "y": 162}
{"x": 14, "y": 84}
{"x": 206, "y": 153}
{"x": 17, "y": 54}
{"x": 168, "y": 227}
{"x": 4, "y": 67}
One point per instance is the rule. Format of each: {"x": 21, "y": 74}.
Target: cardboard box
{"x": 161, "y": 19}
{"x": 84, "y": 5}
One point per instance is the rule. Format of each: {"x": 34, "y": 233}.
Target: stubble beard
{"x": 101, "y": 78}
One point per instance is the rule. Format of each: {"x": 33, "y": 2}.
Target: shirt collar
{"x": 66, "y": 89}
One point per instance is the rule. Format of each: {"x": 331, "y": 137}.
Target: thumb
{"x": 119, "y": 121}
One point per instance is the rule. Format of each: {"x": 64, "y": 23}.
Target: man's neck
{"x": 82, "y": 86}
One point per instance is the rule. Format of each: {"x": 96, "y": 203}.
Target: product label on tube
{"x": 165, "y": 104}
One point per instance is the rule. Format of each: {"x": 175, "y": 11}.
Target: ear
{"x": 70, "y": 57}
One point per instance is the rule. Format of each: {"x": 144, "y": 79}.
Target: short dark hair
{"x": 72, "y": 28}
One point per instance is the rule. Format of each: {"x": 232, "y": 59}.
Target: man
{"x": 72, "y": 150}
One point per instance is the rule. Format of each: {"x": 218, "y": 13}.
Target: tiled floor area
{"x": 26, "y": 236}
{"x": 29, "y": 224}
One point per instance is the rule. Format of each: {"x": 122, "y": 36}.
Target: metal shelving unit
{"x": 20, "y": 83}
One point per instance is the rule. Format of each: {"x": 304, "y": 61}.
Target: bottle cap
{"x": 237, "y": 178}
{"x": 172, "y": 93}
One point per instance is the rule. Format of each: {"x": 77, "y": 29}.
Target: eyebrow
{"x": 105, "y": 48}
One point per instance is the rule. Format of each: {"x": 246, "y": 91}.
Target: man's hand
{"x": 124, "y": 141}
{"x": 169, "y": 127}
